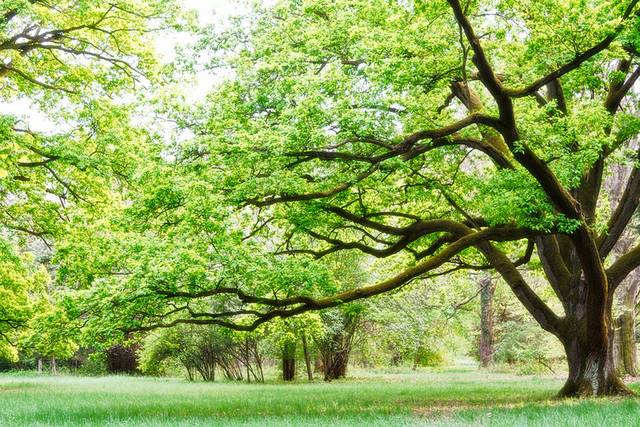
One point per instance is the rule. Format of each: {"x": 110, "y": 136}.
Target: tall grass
{"x": 447, "y": 398}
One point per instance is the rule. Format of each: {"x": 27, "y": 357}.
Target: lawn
{"x": 448, "y": 398}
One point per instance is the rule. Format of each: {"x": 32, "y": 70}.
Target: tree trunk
{"x": 289, "y": 361}
{"x": 335, "y": 364}
{"x": 258, "y": 359}
{"x": 335, "y": 347}
{"x": 54, "y": 366}
{"x": 591, "y": 372}
{"x": 485, "y": 349}
{"x": 588, "y": 343}
{"x": 626, "y": 331}
{"x": 247, "y": 358}
{"x": 627, "y": 336}
{"x": 617, "y": 347}
{"x": 307, "y": 357}
{"x": 335, "y": 360}
{"x": 578, "y": 277}
{"x": 190, "y": 372}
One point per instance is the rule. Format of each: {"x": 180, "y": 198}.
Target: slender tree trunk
{"x": 54, "y": 366}
{"x": 39, "y": 365}
{"x": 626, "y": 326}
{"x": 485, "y": 349}
{"x": 289, "y": 361}
{"x": 258, "y": 359}
{"x": 247, "y": 357}
{"x": 307, "y": 357}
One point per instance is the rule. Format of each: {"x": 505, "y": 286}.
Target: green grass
{"x": 448, "y": 398}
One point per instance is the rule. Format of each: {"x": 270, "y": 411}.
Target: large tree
{"x": 435, "y": 135}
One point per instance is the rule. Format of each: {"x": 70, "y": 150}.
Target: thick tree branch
{"x": 621, "y": 268}
{"x": 554, "y": 266}
{"x": 289, "y": 307}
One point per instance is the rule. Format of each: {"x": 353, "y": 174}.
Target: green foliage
{"x": 189, "y": 346}
{"x": 20, "y": 277}
{"x": 526, "y": 348}
{"x": 95, "y": 364}
{"x": 422, "y": 324}
{"x": 49, "y": 333}
{"x": 201, "y": 350}
{"x": 520, "y": 345}
{"x": 73, "y": 65}
{"x": 429, "y": 358}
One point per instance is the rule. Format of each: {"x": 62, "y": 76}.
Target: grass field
{"x": 440, "y": 399}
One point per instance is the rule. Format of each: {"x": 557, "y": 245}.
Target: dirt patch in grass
{"x": 451, "y": 407}
{"x": 447, "y": 409}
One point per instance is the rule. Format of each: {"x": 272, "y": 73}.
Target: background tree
{"x": 49, "y": 335}
{"x": 337, "y": 340}
{"x": 487, "y": 339}
{"x": 627, "y": 293}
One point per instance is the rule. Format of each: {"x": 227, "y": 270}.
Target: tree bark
{"x": 289, "y": 361}
{"x": 626, "y": 331}
{"x": 335, "y": 347}
{"x": 627, "y": 360}
{"x": 39, "y": 365}
{"x": 335, "y": 363}
{"x": 588, "y": 342}
{"x": 307, "y": 357}
{"x": 485, "y": 349}
{"x": 54, "y": 366}
{"x": 591, "y": 372}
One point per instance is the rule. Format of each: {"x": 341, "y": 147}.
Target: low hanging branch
{"x": 288, "y": 307}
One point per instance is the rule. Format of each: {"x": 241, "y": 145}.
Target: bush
{"x": 94, "y": 364}
{"x": 526, "y": 347}
{"x": 429, "y": 358}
